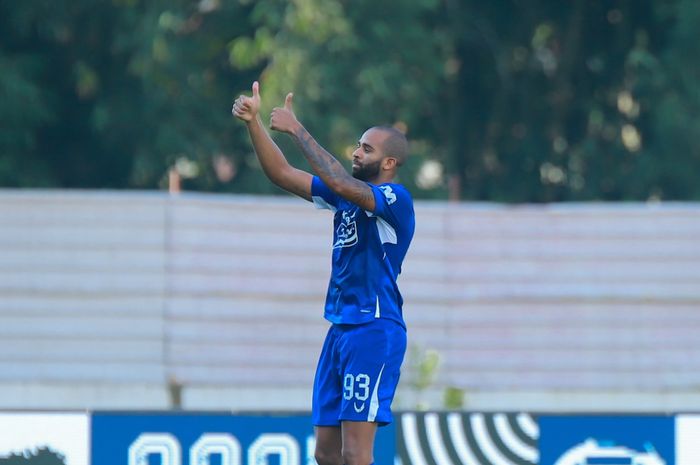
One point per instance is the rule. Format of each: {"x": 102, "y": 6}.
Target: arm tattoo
{"x": 323, "y": 163}
{"x": 331, "y": 171}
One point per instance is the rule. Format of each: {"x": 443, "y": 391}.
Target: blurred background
{"x": 146, "y": 262}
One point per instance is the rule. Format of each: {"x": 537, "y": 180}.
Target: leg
{"x": 358, "y": 442}
{"x": 327, "y": 396}
{"x": 328, "y": 445}
{"x": 370, "y": 360}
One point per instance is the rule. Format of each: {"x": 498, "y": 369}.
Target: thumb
{"x": 288, "y": 102}
{"x": 256, "y": 89}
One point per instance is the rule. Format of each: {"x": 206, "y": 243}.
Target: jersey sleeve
{"x": 394, "y": 204}
{"x": 322, "y": 196}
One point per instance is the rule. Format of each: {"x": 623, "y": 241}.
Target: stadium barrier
{"x": 116, "y": 300}
{"x": 415, "y": 438}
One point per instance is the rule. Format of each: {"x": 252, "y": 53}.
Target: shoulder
{"x": 395, "y": 192}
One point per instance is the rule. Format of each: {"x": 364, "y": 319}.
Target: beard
{"x": 366, "y": 172}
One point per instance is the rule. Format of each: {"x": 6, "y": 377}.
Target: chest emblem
{"x": 346, "y": 233}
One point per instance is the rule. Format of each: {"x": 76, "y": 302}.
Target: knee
{"x": 327, "y": 457}
{"x": 356, "y": 456}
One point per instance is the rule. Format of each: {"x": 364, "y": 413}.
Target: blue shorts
{"x": 358, "y": 372}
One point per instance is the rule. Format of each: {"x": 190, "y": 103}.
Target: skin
{"x": 352, "y": 443}
{"x": 370, "y": 163}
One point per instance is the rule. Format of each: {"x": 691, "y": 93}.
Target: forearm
{"x": 332, "y": 172}
{"x": 325, "y": 165}
{"x": 271, "y": 158}
{"x": 275, "y": 165}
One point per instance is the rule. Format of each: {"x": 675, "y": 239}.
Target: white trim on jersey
{"x": 387, "y": 233}
{"x": 322, "y": 204}
{"x": 374, "y": 403}
{"x": 377, "y": 313}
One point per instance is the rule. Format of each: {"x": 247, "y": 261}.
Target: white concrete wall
{"x": 107, "y": 298}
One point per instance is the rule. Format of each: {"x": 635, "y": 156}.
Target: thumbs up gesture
{"x": 246, "y": 108}
{"x": 283, "y": 119}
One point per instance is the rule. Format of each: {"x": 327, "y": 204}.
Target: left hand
{"x": 246, "y": 108}
{"x": 283, "y": 119}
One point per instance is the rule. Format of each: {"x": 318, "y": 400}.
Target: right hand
{"x": 246, "y": 108}
{"x": 283, "y": 119}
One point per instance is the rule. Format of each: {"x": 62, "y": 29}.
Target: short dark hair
{"x": 395, "y": 145}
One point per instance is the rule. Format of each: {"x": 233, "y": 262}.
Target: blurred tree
{"x": 516, "y": 101}
{"x": 111, "y": 94}
{"x": 352, "y": 65}
{"x": 668, "y": 89}
{"x": 508, "y": 100}
{"x": 545, "y": 109}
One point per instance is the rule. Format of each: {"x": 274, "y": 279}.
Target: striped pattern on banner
{"x": 454, "y": 438}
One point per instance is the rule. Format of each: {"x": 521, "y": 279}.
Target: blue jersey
{"x": 368, "y": 250}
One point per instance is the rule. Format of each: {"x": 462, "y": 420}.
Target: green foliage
{"x": 453, "y": 398}
{"x": 503, "y": 101}
{"x": 423, "y": 365}
{"x": 110, "y": 94}
{"x": 671, "y": 88}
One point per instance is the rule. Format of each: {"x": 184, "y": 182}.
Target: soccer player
{"x": 374, "y": 221}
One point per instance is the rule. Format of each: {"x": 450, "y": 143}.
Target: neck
{"x": 382, "y": 178}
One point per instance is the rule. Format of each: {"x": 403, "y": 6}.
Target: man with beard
{"x": 374, "y": 222}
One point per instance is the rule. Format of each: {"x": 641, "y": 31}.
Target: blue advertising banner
{"x": 212, "y": 439}
{"x": 419, "y": 438}
{"x": 607, "y": 440}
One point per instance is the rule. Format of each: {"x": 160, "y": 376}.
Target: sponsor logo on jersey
{"x": 346, "y": 234}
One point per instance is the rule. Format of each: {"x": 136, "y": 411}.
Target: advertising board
{"x": 44, "y": 438}
{"x": 208, "y": 439}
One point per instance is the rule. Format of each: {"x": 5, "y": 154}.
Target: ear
{"x": 389, "y": 163}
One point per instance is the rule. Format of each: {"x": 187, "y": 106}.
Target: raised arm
{"x": 325, "y": 165}
{"x": 271, "y": 158}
